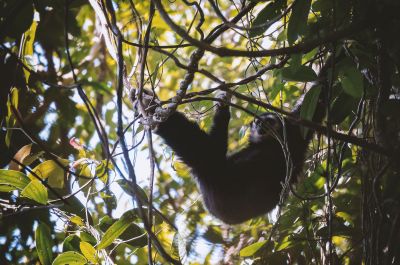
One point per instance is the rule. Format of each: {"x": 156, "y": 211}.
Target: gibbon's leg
{"x": 219, "y": 129}
{"x": 192, "y": 145}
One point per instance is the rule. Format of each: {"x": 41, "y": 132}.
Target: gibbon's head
{"x": 266, "y": 127}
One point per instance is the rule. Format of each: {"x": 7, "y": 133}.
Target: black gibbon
{"x": 247, "y": 183}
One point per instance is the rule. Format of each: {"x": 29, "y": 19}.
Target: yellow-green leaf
{"x": 320, "y": 182}
{"x": 116, "y": 229}
{"x": 70, "y": 258}
{"x": 27, "y": 48}
{"x": 252, "y": 249}
{"x": 36, "y": 191}
{"x": 10, "y": 121}
{"x": 345, "y": 216}
{"x": 12, "y": 180}
{"x": 88, "y": 251}
{"x": 44, "y": 244}
{"x": 52, "y": 171}
{"x": 284, "y": 245}
{"x": 85, "y": 173}
{"x": 77, "y": 220}
{"x": 102, "y": 171}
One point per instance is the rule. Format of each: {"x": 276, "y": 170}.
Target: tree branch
{"x": 299, "y": 48}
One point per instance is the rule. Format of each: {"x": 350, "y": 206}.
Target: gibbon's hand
{"x": 226, "y": 97}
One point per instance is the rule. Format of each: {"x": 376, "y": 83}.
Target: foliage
{"x": 85, "y": 182}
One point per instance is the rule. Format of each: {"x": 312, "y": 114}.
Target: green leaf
{"x": 70, "y": 258}
{"x": 266, "y": 17}
{"x": 310, "y": 103}
{"x": 178, "y": 247}
{"x": 128, "y": 189}
{"x": 36, "y": 191}
{"x": 295, "y": 60}
{"x": 116, "y": 229}
{"x": 88, "y": 251}
{"x": 298, "y": 20}
{"x": 309, "y": 106}
{"x": 71, "y": 243}
{"x": 299, "y": 73}
{"x": 252, "y": 249}
{"x": 76, "y": 207}
{"x": 109, "y": 198}
{"x": 136, "y": 236}
{"x": 131, "y": 232}
{"x": 285, "y": 244}
{"x": 342, "y": 107}
{"x": 51, "y": 171}
{"x": 105, "y": 223}
{"x": 351, "y": 79}
{"x": 12, "y": 180}
{"x": 87, "y": 238}
{"x": 44, "y": 244}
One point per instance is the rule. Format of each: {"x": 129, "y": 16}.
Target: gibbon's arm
{"x": 219, "y": 129}
{"x": 203, "y": 153}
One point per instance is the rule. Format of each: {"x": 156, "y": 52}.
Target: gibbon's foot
{"x": 154, "y": 117}
{"x": 148, "y": 122}
{"x": 225, "y": 97}
{"x": 161, "y": 114}
{"x": 149, "y": 101}
{"x": 156, "y": 113}
{"x": 158, "y": 116}
{"x": 149, "y": 106}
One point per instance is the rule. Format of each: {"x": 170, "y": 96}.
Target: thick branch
{"x": 384, "y": 86}
{"x": 299, "y": 48}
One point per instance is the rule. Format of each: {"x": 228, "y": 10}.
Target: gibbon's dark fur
{"x": 243, "y": 185}
{"x": 247, "y": 183}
